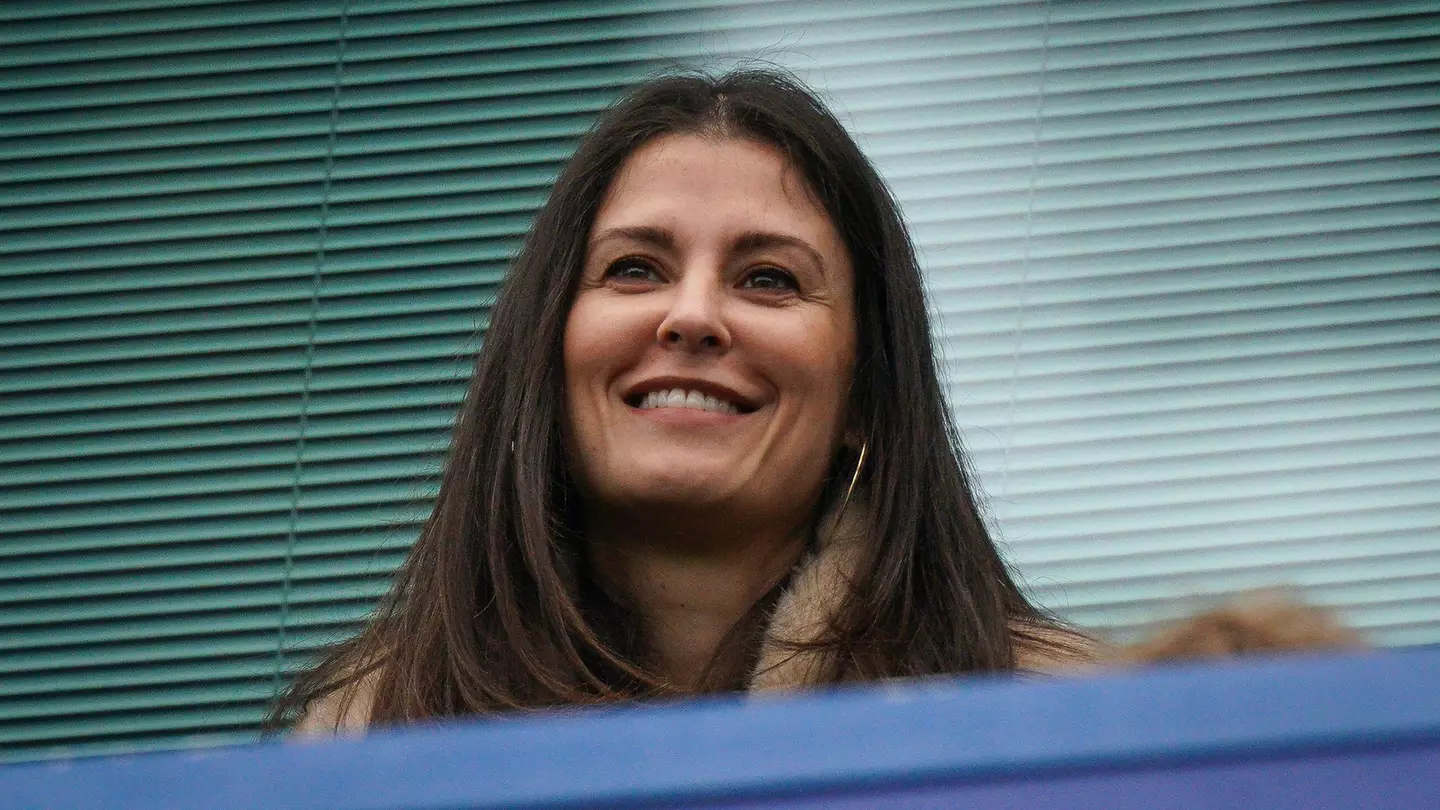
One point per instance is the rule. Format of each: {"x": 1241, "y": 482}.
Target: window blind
{"x": 1182, "y": 256}
{"x": 1184, "y": 261}
{"x": 247, "y": 250}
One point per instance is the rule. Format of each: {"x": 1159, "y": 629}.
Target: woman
{"x": 705, "y": 446}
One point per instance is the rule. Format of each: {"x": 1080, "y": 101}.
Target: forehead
{"x": 713, "y": 182}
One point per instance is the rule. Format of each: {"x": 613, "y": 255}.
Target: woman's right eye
{"x": 632, "y": 270}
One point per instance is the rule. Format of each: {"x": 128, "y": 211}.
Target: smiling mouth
{"x": 682, "y": 398}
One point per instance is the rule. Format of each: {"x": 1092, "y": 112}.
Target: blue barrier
{"x": 1357, "y": 731}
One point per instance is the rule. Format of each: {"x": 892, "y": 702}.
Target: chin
{"x": 670, "y": 483}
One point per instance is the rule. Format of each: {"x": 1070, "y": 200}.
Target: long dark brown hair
{"x": 493, "y": 609}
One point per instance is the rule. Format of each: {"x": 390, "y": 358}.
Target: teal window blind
{"x": 1182, "y": 256}
{"x": 247, "y": 249}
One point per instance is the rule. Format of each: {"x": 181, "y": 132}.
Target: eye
{"x": 770, "y": 278}
{"x": 632, "y": 270}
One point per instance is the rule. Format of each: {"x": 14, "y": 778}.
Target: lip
{"x": 638, "y": 391}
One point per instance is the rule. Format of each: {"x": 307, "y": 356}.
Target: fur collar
{"x": 802, "y": 615}
{"x": 819, "y": 586}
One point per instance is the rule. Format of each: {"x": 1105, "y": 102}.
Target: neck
{"x": 690, "y": 584}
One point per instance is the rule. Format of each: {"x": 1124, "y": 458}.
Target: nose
{"x": 696, "y": 319}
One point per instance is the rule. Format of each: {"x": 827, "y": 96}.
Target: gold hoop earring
{"x": 855, "y": 478}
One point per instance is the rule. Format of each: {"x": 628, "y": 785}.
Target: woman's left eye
{"x": 770, "y": 278}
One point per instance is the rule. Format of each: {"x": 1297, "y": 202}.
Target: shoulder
{"x": 346, "y": 710}
{"x": 1260, "y": 622}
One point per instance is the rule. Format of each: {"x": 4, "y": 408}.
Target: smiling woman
{"x": 705, "y": 446}
{"x": 708, "y": 357}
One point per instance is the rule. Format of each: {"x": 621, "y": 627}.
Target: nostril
{"x": 696, "y": 340}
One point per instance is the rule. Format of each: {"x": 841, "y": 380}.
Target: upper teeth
{"x": 680, "y": 398}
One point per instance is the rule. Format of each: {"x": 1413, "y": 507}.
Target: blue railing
{"x": 1358, "y": 731}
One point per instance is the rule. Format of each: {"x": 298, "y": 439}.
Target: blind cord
{"x": 1019, "y": 330}
{"x": 308, "y": 373}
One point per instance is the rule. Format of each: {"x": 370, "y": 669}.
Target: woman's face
{"x": 710, "y": 347}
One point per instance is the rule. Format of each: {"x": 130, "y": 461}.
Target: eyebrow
{"x": 747, "y": 241}
{"x": 760, "y": 240}
{"x": 659, "y": 237}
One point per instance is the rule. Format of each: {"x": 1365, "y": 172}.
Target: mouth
{"x": 691, "y": 394}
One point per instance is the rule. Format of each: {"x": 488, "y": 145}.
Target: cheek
{"x": 828, "y": 349}
{"x": 819, "y": 361}
{"x": 584, "y": 358}
{"x": 603, "y": 336}
{"x": 589, "y": 334}
{"x": 582, "y": 355}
